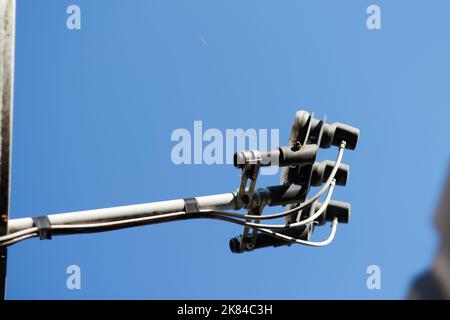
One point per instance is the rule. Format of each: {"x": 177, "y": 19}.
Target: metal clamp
{"x": 44, "y": 227}
{"x": 248, "y": 240}
{"x": 191, "y": 206}
{"x": 250, "y": 172}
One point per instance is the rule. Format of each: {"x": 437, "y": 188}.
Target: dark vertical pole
{"x": 7, "y": 34}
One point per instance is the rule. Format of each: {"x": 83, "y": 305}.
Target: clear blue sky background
{"x": 95, "y": 109}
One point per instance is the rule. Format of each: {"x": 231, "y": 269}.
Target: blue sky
{"x": 95, "y": 109}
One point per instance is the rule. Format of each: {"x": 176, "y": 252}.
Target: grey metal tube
{"x": 282, "y": 157}
{"x": 225, "y": 201}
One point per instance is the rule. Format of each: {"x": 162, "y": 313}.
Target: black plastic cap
{"x": 235, "y": 245}
{"x": 264, "y": 240}
{"x": 336, "y": 209}
{"x": 334, "y": 134}
{"x": 322, "y": 170}
{"x": 340, "y": 210}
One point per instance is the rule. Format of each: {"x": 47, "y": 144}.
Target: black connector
{"x": 264, "y": 240}
{"x": 335, "y": 209}
{"x": 334, "y": 134}
{"x": 322, "y": 170}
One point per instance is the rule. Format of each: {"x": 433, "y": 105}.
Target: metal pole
{"x": 225, "y": 201}
{"x": 7, "y": 32}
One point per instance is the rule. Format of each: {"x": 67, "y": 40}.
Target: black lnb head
{"x": 264, "y": 240}
{"x": 322, "y": 170}
{"x": 335, "y": 133}
{"x": 308, "y": 130}
{"x": 335, "y": 209}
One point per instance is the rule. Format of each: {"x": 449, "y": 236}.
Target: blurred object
{"x": 435, "y": 283}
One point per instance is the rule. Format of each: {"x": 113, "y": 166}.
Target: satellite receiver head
{"x": 334, "y": 133}
{"x": 322, "y": 170}
{"x": 335, "y": 209}
{"x": 300, "y": 171}
{"x": 307, "y": 130}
